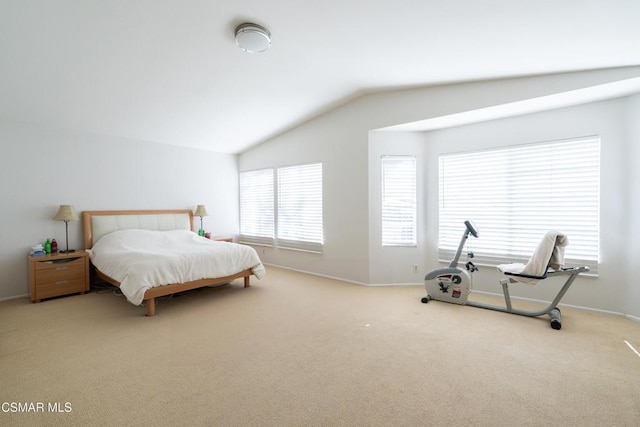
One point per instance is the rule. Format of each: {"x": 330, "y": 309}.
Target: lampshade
{"x": 66, "y": 213}
{"x": 200, "y": 211}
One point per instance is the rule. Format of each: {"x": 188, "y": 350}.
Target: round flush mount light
{"x": 252, "y": 38}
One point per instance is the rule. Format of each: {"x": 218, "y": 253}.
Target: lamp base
{"x": 68, "y": 251}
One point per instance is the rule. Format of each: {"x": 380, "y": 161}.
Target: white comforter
{"x": 142, "y": 259}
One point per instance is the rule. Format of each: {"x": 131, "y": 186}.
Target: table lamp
{"x": 201, "y": 211}
{"x": 66, "y": 214}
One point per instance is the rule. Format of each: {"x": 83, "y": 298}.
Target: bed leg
{"x": 247, "y": 281}
{"x": 151, "y": 307}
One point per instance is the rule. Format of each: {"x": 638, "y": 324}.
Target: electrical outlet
{"x": 415, "y": 268}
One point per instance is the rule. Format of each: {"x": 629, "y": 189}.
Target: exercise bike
{"x": 454, "y": 284}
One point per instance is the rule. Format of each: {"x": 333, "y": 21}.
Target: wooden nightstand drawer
{"x": 60, "y": 264}
{"x": 61, "y": 287}
{"x": 62, "y": 272}
{"x": 59, "y": 274}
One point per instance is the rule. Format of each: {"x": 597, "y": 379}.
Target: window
{"x": 256, "y": 207}
{"x": 300, "y": 207}
{"x": 399, "y": 201}
{"x": 297, "y": 223}
{"x": 515, "y": 195}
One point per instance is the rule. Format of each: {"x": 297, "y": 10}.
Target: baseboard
{"x": 393, "y": 284}
{"x": 577, "y": 307}
{"x": 634, "y": 318}
{"x": 14, "y": 297}
{"x": 318, "y": 274}
{"x": 343, "y": 279}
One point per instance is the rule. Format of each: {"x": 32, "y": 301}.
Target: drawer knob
{"x": 61, "y": 282}
{"x": 61, "y": 268}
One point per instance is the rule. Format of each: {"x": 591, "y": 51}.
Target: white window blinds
{"x": 300, "y": 207}
{"x": 398, "y": 201}
{"x": 515, "y": 195}
{"x": 257, "y": 207}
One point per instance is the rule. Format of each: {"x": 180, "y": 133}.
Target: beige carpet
{"x": 298, "y": 350}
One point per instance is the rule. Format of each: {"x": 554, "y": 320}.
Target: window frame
{"x": 265, "y": 202}
{"x": 297, "y": 225}
{"x": 283, "y": 233}
{"x": 399, "y": 201}
{"x": 522, "y": 204}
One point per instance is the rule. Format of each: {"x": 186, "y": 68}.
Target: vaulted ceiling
{"x": 169, "y": 71}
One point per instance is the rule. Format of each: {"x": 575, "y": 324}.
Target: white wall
{"x": 390, "y": 265}
{"x": 608, "y": 120}
{"x": 340, "y": 139}
{"x": 632, "y": 186}
{"x": 614, "y": 120}
{"x": 335, "y": 140}
{"x": 41, "y": 169}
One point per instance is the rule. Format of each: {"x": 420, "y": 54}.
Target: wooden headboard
{"x": 98, "y": 223}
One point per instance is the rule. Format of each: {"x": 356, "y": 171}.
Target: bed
{"x": 154, "y": 253}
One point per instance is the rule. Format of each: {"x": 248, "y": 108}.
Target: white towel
{"x": 550, "y": 252}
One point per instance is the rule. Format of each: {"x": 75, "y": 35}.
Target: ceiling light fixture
{"x": 252, "y": 38}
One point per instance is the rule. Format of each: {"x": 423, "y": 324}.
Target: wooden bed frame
{"x": 153, "y": 293}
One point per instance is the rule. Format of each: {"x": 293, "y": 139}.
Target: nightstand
{"x": 221, "y": 238}
{"x": 59, "y": 274}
